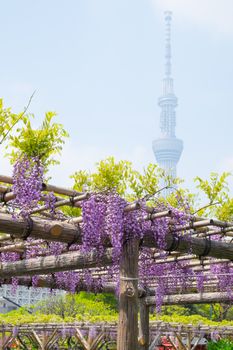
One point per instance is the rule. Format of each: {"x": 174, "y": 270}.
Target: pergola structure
{"x": 103, "y": 335}
{"x": 197, "y": 245}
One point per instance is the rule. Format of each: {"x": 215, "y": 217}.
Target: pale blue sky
{"x": 99, "y": 64}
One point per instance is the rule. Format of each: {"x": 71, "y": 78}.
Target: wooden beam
{"x": 69, "y": 233}
{"x": 40, "y": 228}
{"x": 194, "y": 298}
{"x": 197, "y": 246}
{"x": 51, "y": 264}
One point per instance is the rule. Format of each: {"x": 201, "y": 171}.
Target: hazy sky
{"x": 99, "y": 64}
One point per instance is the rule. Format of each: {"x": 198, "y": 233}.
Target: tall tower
{"x": 168, "y": 148}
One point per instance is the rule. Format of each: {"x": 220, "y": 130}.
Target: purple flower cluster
{"x": 224, "y": 274}
{"x": 14, "y": 284}
{"x": 93, "y": 211}
{"x": 160, "y": 292}
{"x": 27, "y": 184}
{"x": 68, "y": 280}
{"x": 50, "y": 200}
{"x": 92, "y": 334}
{"x": 103, "y": 221}
{"x": 159, "y": 227}
{"x": 200, "y": 278}
{"x": 114, "y": 223}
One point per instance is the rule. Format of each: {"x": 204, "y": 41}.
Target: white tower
{"x": 168, "y": 148}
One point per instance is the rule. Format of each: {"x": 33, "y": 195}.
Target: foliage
{"x": 71, "y": 211}
{"x": 129, "y": 183}
{"x": 8, "y": 121}
{"x": 109, "y": 175}
{"x": 42, "y": 143}
{"x": 193, "y": 319}
{"x": 215, "y": 190}
{"x": 21, "y": 316}
{"x": 146, "y": 183}
{"x": 81, "y": 304}
{"x": 149, "y": 183}
{"x": 215, "y": 312}
{"x": 175, "y": 309}
{"x": 223, "y": 344}
{"x": 94, "y": 308}
{"x": 225, "y": 210}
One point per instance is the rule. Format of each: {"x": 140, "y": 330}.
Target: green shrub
{"x": 222, "y": 344}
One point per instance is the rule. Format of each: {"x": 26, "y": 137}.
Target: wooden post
{"x": 127, "y": 336}
{"x": 143, "y": 325}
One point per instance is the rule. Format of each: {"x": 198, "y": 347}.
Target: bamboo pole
{"x": 192, "y": 259}
{"x": 203, "y": 223}
{"x": 62, "y": 202}
{"x": 45, "y": 187}
{"x": 20, "y": 245}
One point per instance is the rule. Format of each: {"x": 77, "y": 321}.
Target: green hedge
{"x": 222, "y": 344}
{"x": 89, "y": 307}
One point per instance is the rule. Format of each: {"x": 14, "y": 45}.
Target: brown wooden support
{"x": 143, "y": 325}
{"x": 173, "y": 343}
{"x": 127, "y": 336}
{"x": 49, "y": 264}
{"x": 194, "y": 298}
{"x": 189, "y": 341}
{"x": 181, "y": 345}
{"x": 154, "y": 342}
{"x": 69, "y": 233}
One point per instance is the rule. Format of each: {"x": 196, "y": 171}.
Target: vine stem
{"x": 206, "y": 206}
{"x": 18, "y": 119}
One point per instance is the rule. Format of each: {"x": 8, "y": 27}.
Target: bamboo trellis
{"x": 196, "y": 247}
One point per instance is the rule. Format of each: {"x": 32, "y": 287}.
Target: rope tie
{"x": 2, "y": 197}
{"x": 174, "y": 244}
{"x": 28, "y": 229}
{"x": 76, "y": 237}
{"x": 72, "y": 201}
{"x": 207, "y": 248}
